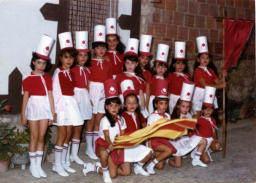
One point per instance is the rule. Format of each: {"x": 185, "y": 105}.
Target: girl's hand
{"x": 110, "y": 147}
{"x": 54, "y": 117}
{"x": 24, "y": 120}
{"x": 50, "y": 122}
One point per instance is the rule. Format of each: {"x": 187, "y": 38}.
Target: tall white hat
{"x": 132, "y": 47}
{"x": 162, "y": 53}
{"x": 145, "y": 44}
{"x": 65, "y": 40}
{"x": 82, "y": 40}
{"x": 111, "y": 26}
{"x": 179, "y": 50}
{"x": 127, "y": 87}
{"x": 209, "y": 96}
{"x": 44, "y": 47}
{"x": 202, "y": 45}
{"x": 187, "y": 91}
{"x": 99, "y": 34}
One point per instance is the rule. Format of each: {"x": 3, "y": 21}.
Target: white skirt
{"x": 38, "y": 107}
{"x": 70, "y": 114}
{"x": 83, "y": 101}
{"x": 97, "y": 95}
{"x": 183, "y": 145}
{"x": 198, "y": 100}
{"x": 173, "y": 101}
{"x": 150, "y": 104}
{"x": 194, "y": 140}
{"x": 136, "y": 154}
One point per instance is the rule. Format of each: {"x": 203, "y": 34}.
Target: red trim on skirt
{"x": 157, "y": 141}
{"x": 117, "y": 158}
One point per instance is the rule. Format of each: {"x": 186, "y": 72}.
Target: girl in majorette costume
{"x": 80, "y": 74}
{"x": 66, "y": 106}
{"x": 160, "y": 72}
{"x": 100, "y": 72}
{"x": 145, "y": 56}
{"x": 204, "y": 75}
{"x": 113, "y": 162}
{"x": 38, "y": 107}
{"x": 178, "y": 73}
{"x": 161, "y": 146}
{"x": 115, "y": 47}
{"x": 132, "y": 71}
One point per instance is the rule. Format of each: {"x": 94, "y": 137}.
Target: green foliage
{"x": 18, "y": 139}
{"x": 6, "y": 145}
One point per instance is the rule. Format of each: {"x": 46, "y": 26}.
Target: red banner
{"x": 237, "y": 33}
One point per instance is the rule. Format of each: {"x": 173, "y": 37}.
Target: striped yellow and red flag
{"x": 165, "y": 128}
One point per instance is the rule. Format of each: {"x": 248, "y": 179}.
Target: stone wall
{"x": 184, "y": 20}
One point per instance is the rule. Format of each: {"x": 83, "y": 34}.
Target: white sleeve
{"x": 123, "y": 124}
{"x": 151, "y": 119}
{"x": 56, "y": 91}
{"x": 104, "y": 124}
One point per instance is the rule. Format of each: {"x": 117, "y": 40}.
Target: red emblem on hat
{"x": 203, "y": 45}
{"x": 164, "y": 90}
{"x": 210, "y": 95}
{"x": 83, "y": 42}
{"x": 181, "y": 51}
{"x": 188, "y": 94}
{"x": 100, "y": 34}
{"x": 163, "y": 53}
{"x": 112, "y": 27}
{"x": 112, "y": 90}
{"x": 128, "y": 88}
{"x": 67, "y": 41}
{"x": 132, "y": 48}
{"x": 47, "y": 48}
{"x": 147, "y": 44}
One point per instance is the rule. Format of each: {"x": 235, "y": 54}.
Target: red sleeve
{"x": 48, "y": 80}
{"x": 169, "y": 82}
{"x": 198, "y": 74}
{"x": 214, "y": 121}
{"x": 189, "y": 77}
{"x": 26, "y": 84}
{"x": 213, "y": 74}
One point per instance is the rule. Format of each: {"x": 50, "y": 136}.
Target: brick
{"x": 230, "y": 3}
{"x": 172, "y": 31}
{"x": 193, "y": 7}
{"x": 231, "y": 12}
{"x": 204, "y": 32}
{"x": 221, "y": 2}
{"x": 189, "y": 20}
{"x": 160, "y": 29}
{"x": 200, "y": 21}
{"x": 213, "y": 36}
{"x": 211, "y": 1}
{"x": 170, "y": 5}
{"x": 238, "y": 3}
{"x": 249, "y": 14}
{"x": 160, "y": 5}
{"x": 182, "y": 33}
{"x": 203, "y": 9}
{"x": 213, "y": 10}
{"x": 190, "y": 47}
{"x": 178, "y": 18}
{"x": 167, "y": 17}
{"x": 218, "y": 48}
{"x": 156, "y": 16}
{"x": 150, "y": 29}
{"x": 182, "y": 6}
{"x": 193, "y": 33}
{"x": 220, "y": 33}
{"x": 211, "y": 23}
{"x": 240, "y": 12}
{"x": 201, "y": 1}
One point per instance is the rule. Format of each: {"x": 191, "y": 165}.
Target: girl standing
{"x": 66, "y": 107}
{"x": 38, "y": 107}
{"x": 179, "y": 74}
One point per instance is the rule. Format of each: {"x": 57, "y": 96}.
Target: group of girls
{"x": 116, "y": 92}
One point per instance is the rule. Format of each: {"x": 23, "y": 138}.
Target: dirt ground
{"x": 238, "y": 166}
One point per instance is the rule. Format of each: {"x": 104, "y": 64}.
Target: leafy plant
{"x": 20, "y": 138}
{"x": 6, "y": 145}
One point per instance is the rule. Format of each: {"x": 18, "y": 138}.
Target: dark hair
{"x": 88, "y": 62}
{"x": 138, "y": 69}
{"x": 172, "y": 69}
{"x": 147, "y": 67}
{"x": 35, "y": 57}
{"x": 158, "y": 99}
{"x": 205, "y": 107}
{"x": 210, "y": 65}
{"x": 99, "y": 44}
{"x": 161, "y": 64}
{"x": 120, "y": 46}
{"x": 72, "y": 52}
{"x": 107, "y": 114}
{"x": 176, "y": 111}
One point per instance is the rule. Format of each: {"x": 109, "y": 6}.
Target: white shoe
{"x": 139, "y": 170}
{"x": 68, "y": 169}
{"x": 59, "y": 171}
{"x": 76, "y": 159}
{"x": 106, "y": 177}
{"x": 41, "y": 172}
{"x": 33, "y": 170}
{"x": 192, "y": 154}
{"x": 198, "y": 162}
{"x": 88, "y": 167}
{"x": 92, "y": 156}
{"x": 150, "y": 169}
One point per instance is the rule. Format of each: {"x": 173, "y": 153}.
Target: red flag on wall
{"x": 237, "y": 33}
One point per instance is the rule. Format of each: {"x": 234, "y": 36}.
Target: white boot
{"x": 89, "y": 145}
{"x": 33, "y": 170}
{"x": 67, "y": 161}
{"x": 39, "y": 164}
{"x": 88, "y": 167}
{"x": 74, "y": 152}
{"x": 151, "y": 166}
{"x": 197, "y": 162}
{"x": 138, "y": 169}
{"x": 63, "y": 162}
{"x": 106, "y": 175}
{"x": 57, "y": 167}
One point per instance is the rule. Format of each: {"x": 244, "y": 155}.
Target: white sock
{"x": 58, "y": 152}
{"x": 64, "y": 153}
{"x": 89, "y": 139}
{"x": 39, "y": 158}
{"x": 105, "y": 169}
{"x": 198, "y": 155}
{"x": 153, "y": 163}
{"x": 32, "y": 158}
{"x": 75, "y": 147}
{"x": 140, "y": 164}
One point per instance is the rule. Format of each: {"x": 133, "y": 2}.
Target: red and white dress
{"x": 209, "y": 76}
{"x": 100, "y": 72}
{"x": 153, "y": 85}
{"x": 157, "y": 141}
{"x": 175, "y": 82}
{"x": 66, "y": 106}
{"x": 38, "y": 105}
{"x": 80, "y": 77}
{"x": 117, "y": 62}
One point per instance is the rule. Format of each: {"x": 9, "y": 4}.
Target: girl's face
{"x": 131, "y": 104}
{"x": 113, "y": 108}
{"x": 40, "y": 65}
{"x": 161, "y": 106}
{"x": 130, "y": 65}
{"x": 179, "y": 66}
{"x": 67, "y": 60}
{"x": 184, "y": 107}
{"x": 100, "y": 51}
{"x": 160, "y": 69}
{"x": 82, "y": 58}
{"x": 143, "y": 60}
{"x": 207, "y": 112}
{"x": 112, "y": 42}
{"x": 204, "y": 60}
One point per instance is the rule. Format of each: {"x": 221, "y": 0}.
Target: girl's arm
{"x": 142, "y": 99}
{"x": 89, "y": 92}
{"x": 218, "y": 83}
{"x": 50, "y": 95}
{"x": 23, "y": 108}
{"x": 107, "y": 139}
{"x": 147, "y": 94}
